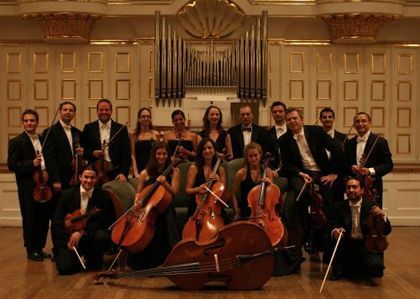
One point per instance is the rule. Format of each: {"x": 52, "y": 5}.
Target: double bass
{"x": 240, "y": 257}
{"x": 134, "y": 230}
{"x": 206, "y": 221}
{"x": 262, "y": 199}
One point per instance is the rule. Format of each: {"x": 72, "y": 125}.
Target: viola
{"x": 77, "y": 165}
{"x": 134, "y": 230}
{"x": 375, "y": 240}
{"x": 42, "y": 192}
{"x": 77, "y": 220}
{"x": 206, "y": 221}
{"x": 317, "y": 216}
{"x": 241, "y": 257}
{"x": 262, "y": 199}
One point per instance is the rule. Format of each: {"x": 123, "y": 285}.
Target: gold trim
{"x": 400, "y": 109}
{"x": 345, "y": 90}
{"x": 318, "y": 89}
{"x": 129, "y": 114}
{"x": 270, "y": 94}
{"x": 345, "y": 109}
{"x": 318, "y": 64}
{"x": 8, "y": 57}
{"x": 346, "y": 71}
{"x": 35, "y": 90}
{"x": 90, "y": 54}
{"x": 19, "y": 109}
{"x": 90, "y": 90}
{"x": 410, "y": 56}
{"x": 73, "y": 68}
{"x": 46, "y": 68}
{"x": 383, "y": 90}
{"x": 302, "y": 90}
{"x": 382, "y": 109}
{"x": 128, "y": 62}
{"x": 373, "y": 63}
{"x": 62, "y": 89}
{"x": 8, "y": 90}
{"x": 117, "y": 93}
{"x": 398, "y": 144}
{"x": 409, "y": 92}
{"x": 302, "y": 55}
{"x": 46, "y": 119}
{"x": 151, "y": 88}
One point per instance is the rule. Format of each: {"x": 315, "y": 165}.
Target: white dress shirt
{"x": 247, "y": 135}
{"x": 356, "y": 230}
{"x": 67, "y": 130}
{"x": 308, "y": 160}
{"x": 36, "y": 143}
{"x": 280, "y": 130}
{"x": 84, "y": 198}
{"x": 361, "y": 144}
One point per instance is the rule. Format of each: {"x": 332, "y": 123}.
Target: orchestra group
{"x": 334, "y": 187}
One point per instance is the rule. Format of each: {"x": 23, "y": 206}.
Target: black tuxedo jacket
{"x": 70, "y": 202}
{"x": 318, "y": 141}
{"x": 258, "y": 135}
{"x": 21, "y": 154}
{"x": 380, "y": 158}
{"x": 342, "y": 217}
{"x": 339, "y": 137}
{"x": 119, "y": 149}
{"x": 58, "y": 153}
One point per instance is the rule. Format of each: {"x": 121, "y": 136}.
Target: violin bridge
{"x": 216, "y": 261}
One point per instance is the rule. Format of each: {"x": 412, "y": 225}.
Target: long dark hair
{"x": 138, "y": 126}
{"x": 199, "y": 159}
{"x": 206, "y": 123}
{"x": 152, "y": 166}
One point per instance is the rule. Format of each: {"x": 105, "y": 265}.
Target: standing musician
{"x": 24, "y": 161}
{"x": 353, "y": 259}
{"x": 90, "y": 239}
{"x": 370, "y": 146}
{"x": 327, "y": 118}
{"x": 61, "y": 148}
{"x": 278, "y": 112}
{"x": 166, "y": 234}
{"x": 305, "y": 161}
{"x": 249, "y": 176}
{"x": 180, "y": 140}
{"x": 116, "y": 153}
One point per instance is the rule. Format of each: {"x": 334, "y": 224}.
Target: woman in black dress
{"x": 166, "y": 234}
{"x": 141, "y": 140}
{"x": 180, "y": 139}
{"x": 213, "y": 129}
{"x": 249, "y": 176}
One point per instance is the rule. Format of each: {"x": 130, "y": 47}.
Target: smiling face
{"x": 327, "y": 120}
{"x": 294, "y": 122}
{"x": 253, "y": 157}
{"x": 179, "y": 122}
{"x": 145, "y": 118}
{"x": 213, "y": 116}
{"x": 29, "y": 123}
{"x": 353, "y": 190}
{"x": 67, "y": 113}
{"x": 208, "y": 151}
{"x": 104, "y": 112}
{"x": 362, "y": 124}
{"x": 161, "y": 156}
{"x": 88, "y": 179}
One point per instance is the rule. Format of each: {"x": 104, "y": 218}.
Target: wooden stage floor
{"x": 20, "y": 278}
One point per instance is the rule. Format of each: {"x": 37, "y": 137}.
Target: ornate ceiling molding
{"x": 210, "y": 18}
{"x": 355, "y": 28}
{"x": 61, "y": 27}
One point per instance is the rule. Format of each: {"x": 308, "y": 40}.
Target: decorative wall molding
{"x": 355, "y": 28}
{"x": 65, "y": 27}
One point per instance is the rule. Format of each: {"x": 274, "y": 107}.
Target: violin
{"x": 77, "y": 220}
{"x": 103, "y": 166}
{"x": 262, "y": 199}
{"x": 77, "y": 165}
{"x": 134, "y": 230}
{"x": 42, "y": 192}
{"x": 206, "y": 221}
{"x": 317, "y": 216}
{"x": 375, "y": 240}
{"x": 241, "y": 257}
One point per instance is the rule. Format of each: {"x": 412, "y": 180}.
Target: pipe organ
{"x": 211, "y": 65}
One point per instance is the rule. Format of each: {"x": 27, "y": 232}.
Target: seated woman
{"x": 249, "y": 176}
{"x": 212, "y": 128}
{"x": 141, "y": 140}
{"x": 166, "y": 233}
{"x": 180, "y": 140}
{"x": 201, "y": 172}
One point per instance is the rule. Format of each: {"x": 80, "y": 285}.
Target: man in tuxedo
{"x": 101, "y": 131}
{"x": 246, "y": 131}
{"x": 350, "y": 219}
{"x": 24, "y": 158}
{"x": 304, "y": 157}
{"x": 368, "y": 154}
{"x": 278, "y": 112}
{"x": 61, "y": 146}
{"x": 92, "y": 240}
{"x": 327, "y": 118}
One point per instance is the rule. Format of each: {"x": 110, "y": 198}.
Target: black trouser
{"x": 354, "y": 260}
{"x": 92, "y": 247}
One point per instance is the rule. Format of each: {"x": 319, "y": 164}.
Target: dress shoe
{"x": 35, "y": 256}
{"x": 44, "y": 254}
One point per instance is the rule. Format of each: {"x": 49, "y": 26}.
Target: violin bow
{"x": 301, "y": 191}
{"x": 78, "y": 256}
{"x": 217, "y": 197}
{"x": 347, "y": 136}
{"x": 331, "y": 261}
{"x": 115, "y": 135}
{"x": 370, "y": 151}
{"x": 49, "y": 129}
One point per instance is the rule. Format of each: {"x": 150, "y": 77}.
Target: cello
{"x": 206, "y": 221}
{"x": 240, "y": 257}
{"x": 134, "y": 230}
{"x": 262, "y": 199}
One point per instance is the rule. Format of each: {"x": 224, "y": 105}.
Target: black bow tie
{"x": 246, "y": 129}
